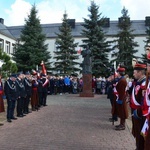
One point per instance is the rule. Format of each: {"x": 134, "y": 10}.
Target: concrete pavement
{"x": 69, "y": 122}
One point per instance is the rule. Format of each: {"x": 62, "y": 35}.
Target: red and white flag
{"x": 43, "y": 68}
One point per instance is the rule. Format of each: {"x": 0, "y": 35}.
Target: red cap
{"x": 120, "y": 69}
{"x": 140, "y": 66}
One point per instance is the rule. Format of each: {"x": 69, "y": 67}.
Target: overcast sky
{"x": 51, "y": 11}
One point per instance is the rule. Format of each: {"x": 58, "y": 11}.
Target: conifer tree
{"x": 31, "y": 48}
{"x": 96, "y": 41}
{"x": 125, "y": 43}
{"x": 65, "y": 54}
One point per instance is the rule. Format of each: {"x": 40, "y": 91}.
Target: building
{"x": 7, "y": 40}
{"x": 10, "y": 34}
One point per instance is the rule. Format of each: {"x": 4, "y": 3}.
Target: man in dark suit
{"x": 45, "y": 84}
{"x": 21, "y": 94}
{"x": 11, "y": 96}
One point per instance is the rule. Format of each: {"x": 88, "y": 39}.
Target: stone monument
{"x": 87, "y": 74}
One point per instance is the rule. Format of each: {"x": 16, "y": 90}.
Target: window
{"x": 7, "y": 47}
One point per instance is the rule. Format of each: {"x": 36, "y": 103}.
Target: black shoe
{"x": 14, "y": 118}
{"x": 25, "y": 112}
{"x": 45, "y": 105}
{"x": 9, "y": 120}
{"x": 1, "y": 124}
{"x": 19, "y": 115}
{"x": 120, "y": 127}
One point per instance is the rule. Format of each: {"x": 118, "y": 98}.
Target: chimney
{"x": 71, "y": 22}
{"x": 106, "y": 22}
{"x": 1, "y": 20}
{"x": 147, "y": 21}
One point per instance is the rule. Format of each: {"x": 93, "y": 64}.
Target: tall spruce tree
{"x": 125, "y": 43}
{"x": 96, "y": 41}
{"x": 31, "y": 48}
{"x": 66, "y": 55}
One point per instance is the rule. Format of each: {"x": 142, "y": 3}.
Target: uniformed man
{"x": 120, "y": 98}
{"x": 146, "y": 108}
{"x": 136, "y": 104}
{"x": 111, "y": 93}
{"x": 11, "y": 96}
{"x": 28, "y": 90}
{"x": 45, "y": 84}
{"x": 34, "y": 96}
{"x": 21, "y": 94}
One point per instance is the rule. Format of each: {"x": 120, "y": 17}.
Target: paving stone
{"x": 69, "y": 122}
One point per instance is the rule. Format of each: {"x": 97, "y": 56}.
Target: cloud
{"x": 52, "y": 12}
{"x": 17, "y": 13}
{"x": 138, "y": 9}
{"x": 49, "y": 11}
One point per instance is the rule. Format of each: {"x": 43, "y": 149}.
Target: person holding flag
{"x": 45, "y": 83}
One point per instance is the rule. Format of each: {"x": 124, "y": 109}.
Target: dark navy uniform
{"x": 21, "y": 94}
{"x": 40, "y": 90}
{"x": 10, "y": 92}
{"x": 45, "y": 84}
{"x": 28, "y": 91}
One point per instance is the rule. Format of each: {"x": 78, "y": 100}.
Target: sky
{"x": 14, "y": 12}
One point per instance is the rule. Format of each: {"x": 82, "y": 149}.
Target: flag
{"x": 43, "y": 68}
{"x": 79, "y": 51}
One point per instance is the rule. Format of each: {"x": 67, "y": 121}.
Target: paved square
{"x": 69, "y": 122}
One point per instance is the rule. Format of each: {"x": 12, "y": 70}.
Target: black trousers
{"x": 10, "y": 108}
{"x": 44, "y": 97}
{"x": 20, "y": 106}
{"x": 26, "y": 104}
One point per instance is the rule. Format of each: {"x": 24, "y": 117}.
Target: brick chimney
{"x": 147, "y": 21}
{"x": 1, "y": 20}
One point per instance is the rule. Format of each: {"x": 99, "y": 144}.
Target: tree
{"x": 125, "y": 43}
{"x": 96, "y": 41}
{"x": 7, "y": 65}
{"x": 31, "y": 48}
{"x": 66, "y": 55}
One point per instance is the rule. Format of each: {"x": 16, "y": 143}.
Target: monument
{"x": 87, "y": 74}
